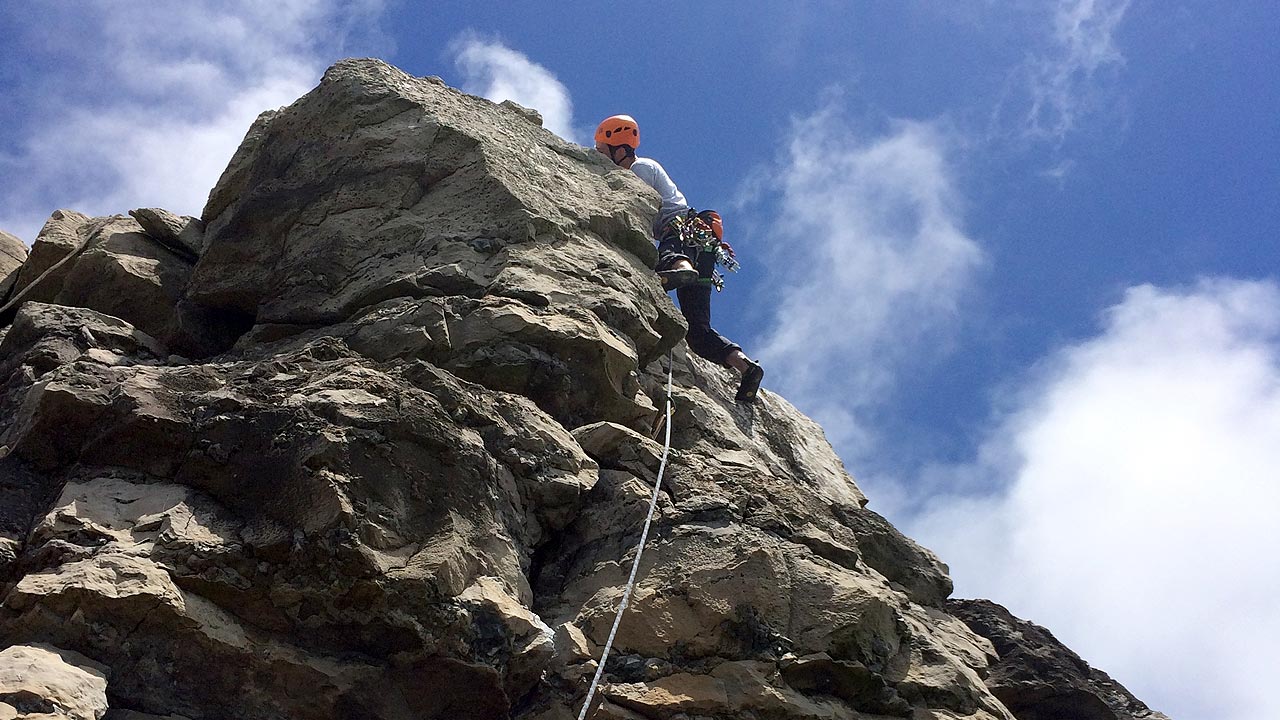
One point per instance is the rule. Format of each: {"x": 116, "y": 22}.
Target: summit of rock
{"x": 374, "y": 437}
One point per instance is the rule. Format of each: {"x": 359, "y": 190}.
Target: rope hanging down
{"x": 635, "y": 564}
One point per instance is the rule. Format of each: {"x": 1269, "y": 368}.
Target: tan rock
{"x": 620, "y": 448}
{"x": 572, "y": 644}
{"x": 125, "y": 273}
{"x": 106, "y": 264}
{"x": 734, "y": 689}
{"x": 135, "y": 585}
{"x": 45, "y": 680}
{"x": 13, "y": 253}
{"x": 184, "y": 235}
{"x": 680, "y": 693}
{"x": 133, "y": 514}
{"x": 63, "y": 234}
{"x": 528, "y": 644}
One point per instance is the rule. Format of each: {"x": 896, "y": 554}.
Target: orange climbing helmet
{"x": 618, "y": 130}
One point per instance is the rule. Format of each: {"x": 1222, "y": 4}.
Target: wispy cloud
{"x": 136, "y": 118}
{"x": 871, "y": 265}
{"x": 1061, "y": 83}
{"x": 1136, "y": 509}
{"x": 492, "y": 70}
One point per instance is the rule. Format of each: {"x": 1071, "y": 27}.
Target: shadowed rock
{"x": 13, "y": 252}
{"x": 181, "y": 234}
{"x": 1038, "y": 678}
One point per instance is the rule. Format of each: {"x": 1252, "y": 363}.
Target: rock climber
{"x": 687, "y": 270}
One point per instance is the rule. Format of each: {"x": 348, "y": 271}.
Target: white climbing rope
{"x": 635, "y": 564}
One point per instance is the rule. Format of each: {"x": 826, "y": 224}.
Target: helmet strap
{"x": 631, "y": 152}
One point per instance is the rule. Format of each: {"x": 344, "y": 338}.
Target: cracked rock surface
{"x": 374, "y": 438}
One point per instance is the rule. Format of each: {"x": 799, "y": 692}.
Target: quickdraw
{"x": 696, "y": 233}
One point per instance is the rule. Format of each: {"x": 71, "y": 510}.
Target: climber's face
{"x": 617, "y": 153}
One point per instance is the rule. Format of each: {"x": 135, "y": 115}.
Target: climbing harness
{"x": 635, "y": 564}
{"x": 695, "y": 230}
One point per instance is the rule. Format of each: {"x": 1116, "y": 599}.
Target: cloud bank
{"x": 133, "y": 118}
{"x": 871, "y": 265}
{"x": 1061, "y": 82}
{"x": 494, "y": 71}
{"x": 1138, "y": 492}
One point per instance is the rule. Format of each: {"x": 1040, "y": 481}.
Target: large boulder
{"x": 180, "y": 233}
{"x": 109, "y": 264}
{"x": 61, "y": 237}
{"x": 44, "y": 681}
{"x": 13, "y": 252}
{"x": 377, "y": 186}
{"x": 1039, "y": 678}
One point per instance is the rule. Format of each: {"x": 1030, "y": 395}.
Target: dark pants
{"x": 695, "y": 301}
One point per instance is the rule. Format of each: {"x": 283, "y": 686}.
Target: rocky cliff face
{"x": 372, "y": 439}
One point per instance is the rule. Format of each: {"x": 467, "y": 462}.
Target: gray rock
{"x": 107, "y": 264}
{"x": 42, "y": 339}
{"x": 13, "y": 252}
{"x": 394, "y": 491}
{"x": 379, "y": 186}
{"x": 180, "y": 233}
{"x": 62, "y": 235}
{"x": 125, "y": 273}
{"x": 1038, "y": 678}
{"x": 529, "y": 114}
{"x": 45, "y": 336}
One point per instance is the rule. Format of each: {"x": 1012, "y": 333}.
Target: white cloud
{"x": 870, "y": 263}
{"x": 150, "y": 100}
{"x": 1062, "y": 81}
{"x": 1140, "y": 478}
{"x": 494, "y": 71}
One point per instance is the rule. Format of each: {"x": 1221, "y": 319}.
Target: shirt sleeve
{"x": 656, "y": 177}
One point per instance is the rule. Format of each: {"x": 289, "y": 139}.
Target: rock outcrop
{"x": 1038, "y": 678}
{"x": 108, "y": 264}
{"x": 42, "y": 681}
{"x": 373, "y": 438}
{"x": 13, "y": 253}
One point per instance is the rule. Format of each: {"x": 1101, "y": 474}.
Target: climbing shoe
{"x": 676, "y": 279}
{"x": 750, "y": 385}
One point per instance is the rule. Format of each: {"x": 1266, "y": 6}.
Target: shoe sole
{"x": 676, "y": 279}
{"x": 750, "y": 385}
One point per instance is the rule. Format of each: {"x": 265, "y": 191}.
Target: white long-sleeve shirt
{"x": 656, "y": 177}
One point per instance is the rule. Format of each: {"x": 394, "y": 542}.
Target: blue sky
{"x": 1019, "y": 258}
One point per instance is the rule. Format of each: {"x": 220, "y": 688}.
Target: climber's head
{"x": 618, "y": 137}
